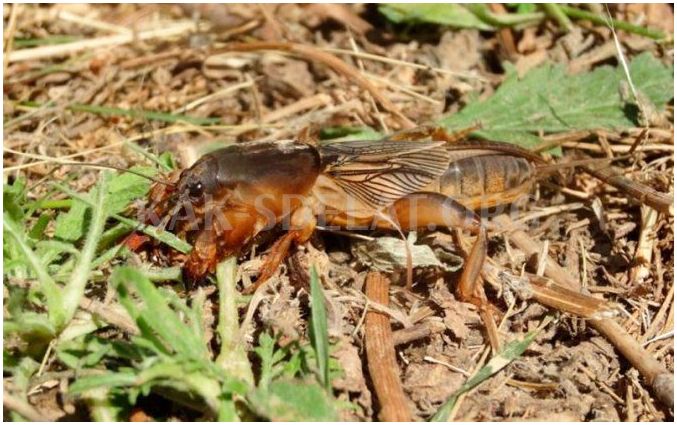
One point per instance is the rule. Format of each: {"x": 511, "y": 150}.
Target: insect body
{"x": 398, "y": 183}
{"x": 230, "y": 195}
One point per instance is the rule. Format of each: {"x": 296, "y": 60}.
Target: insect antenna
{"x": 88, "y": 164}
{"x": 122, "y": 169}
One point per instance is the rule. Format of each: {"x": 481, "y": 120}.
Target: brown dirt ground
{"x": 569, "y": 373}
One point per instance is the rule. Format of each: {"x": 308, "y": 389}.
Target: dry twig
{"x": 381, "y": 359}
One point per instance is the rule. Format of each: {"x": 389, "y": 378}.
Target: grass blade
{"x": 318, "y": 328}
{"x": 510, "y": 352}
{"x": 75, "y": 288}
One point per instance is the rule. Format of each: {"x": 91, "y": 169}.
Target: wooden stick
{"x": 647, "y": 238}
{"x": 656, "y": 375}
{"x": 662, "y": 202}
{"x": 381, "y": 359}
{"x": 416, "y": 332}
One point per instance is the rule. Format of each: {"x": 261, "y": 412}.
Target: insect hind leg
{"x": 428, "y": 210}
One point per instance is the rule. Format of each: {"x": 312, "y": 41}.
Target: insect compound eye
{"x": 195, "y": 189}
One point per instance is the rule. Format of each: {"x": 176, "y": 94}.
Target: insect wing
{"x": 379, "y": 172}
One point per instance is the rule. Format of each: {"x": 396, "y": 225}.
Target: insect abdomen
{"x": 487, "y": 179}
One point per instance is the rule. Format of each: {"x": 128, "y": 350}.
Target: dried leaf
{"x": 389, "y": 254}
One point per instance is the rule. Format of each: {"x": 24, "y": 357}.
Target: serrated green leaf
{"x": 265, "y": 351}
{"x": 549, "y": 100}
{"x": 293, "y": 400}
{"x": 48, "y": 287}
{"x": 453, "y": 15}
{"x": 153, "y": 315}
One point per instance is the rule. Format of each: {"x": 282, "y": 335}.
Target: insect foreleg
{"x": 302, "y": 225}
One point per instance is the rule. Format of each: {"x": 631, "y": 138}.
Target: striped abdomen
{"x": 487, "y": 180}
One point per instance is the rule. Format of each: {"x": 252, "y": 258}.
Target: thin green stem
{"x": 52, "y": 204}
{"x": 165, "y": 274}
{"x": 575, "y": 13}
{"x": 505, "y": 19}
{"x": 554, "y": 11}
{"x": 141, "y": 114}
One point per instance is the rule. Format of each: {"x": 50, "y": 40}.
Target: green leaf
{"x": 35, "y": 328}
{"x": 34, "y": 42}
{"x": 233, "y": 355}
{"x": 167, "y": 160}
{"x": 126, "y": 187}
{"x": 87, "y": 350}
{"x": 523, "y": 7}
{"x": 293, "y": 400}
{"x": 318, "y": 328}
{"x": 265, "y": 351}
{"x": 453, "y": 15}
{"x": 22, "y": 374}
{"x": 38, "y": 229}
{"x": 13, "y": 197}
{"x": 70, "y": 225}
{"x": 549, "y": 100}
{"x": 50, "y": 290}
{"x": 153, "y": 315}
{"x": 108, "y": 380}
{"x": 122, "y": 189}
{"x": 161, "y": 235}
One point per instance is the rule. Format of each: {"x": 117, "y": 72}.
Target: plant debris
{"x": 96, "y": 331}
